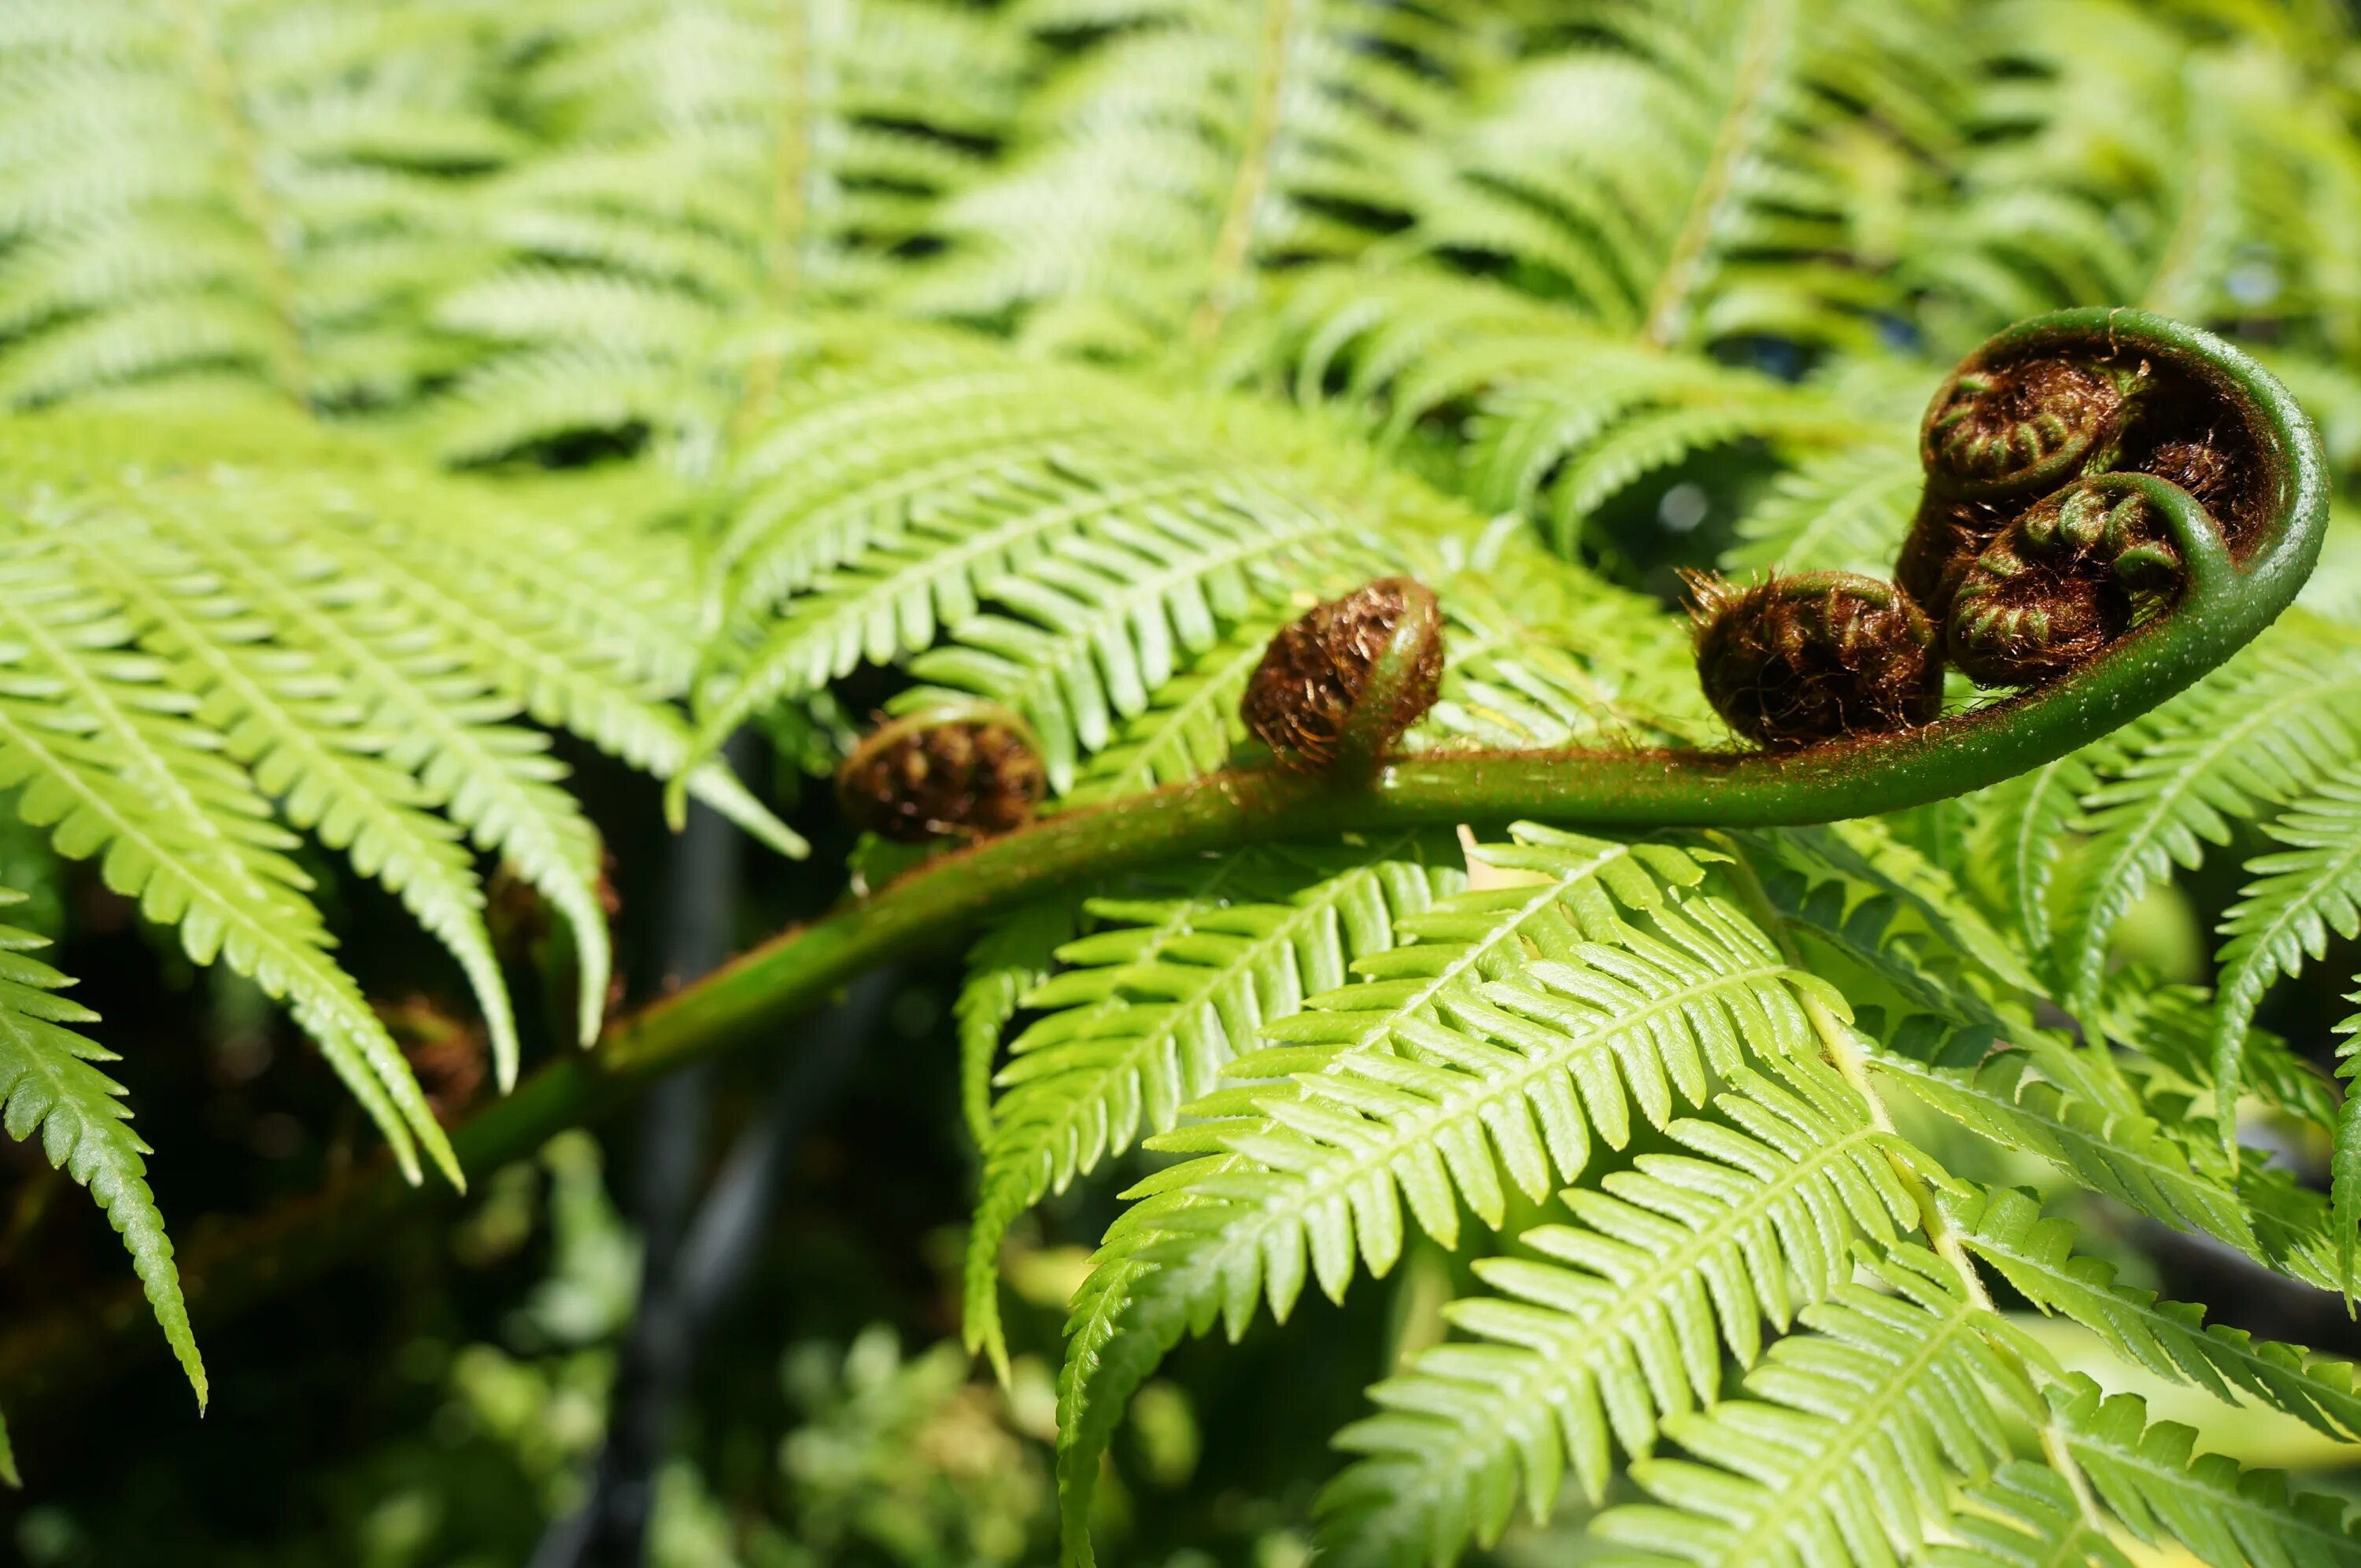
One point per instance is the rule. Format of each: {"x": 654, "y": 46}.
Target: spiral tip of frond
{"x": 1821, "y": 656}
{"x": 963, "y": 773}
{"x": 2063, "y": 581}
{"x": 2000, "y": 423}
{"x": 1348, "y": 677}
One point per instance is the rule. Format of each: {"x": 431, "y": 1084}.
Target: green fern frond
{"x": 1673, "y": 170}
{"x": 2152, "y": 1479}
{"x": 2269, "y": 724}
{"x": 49, "y": 1086}
{"x": 706, "y": 164}
{"x": 1183, "y": 149}
{"x": 2297, "y": 898}
{"x": 1153, "y": 1004}
{"x": 2172, "y": 1028}
{"x": 110, "y": 763}
{"x": 2114, "y": 1149}
{"x": 1846, "y": 1448}
{"x": 309, "y": 626}
{"x": 2020, "y": 831}
{"x": 1535, "y": 408}
{"x": 1051, "y": 538}
{"x": 1620, "y": 1320}
{"x": 1007, "y": 962}
{"x": 2005, "y": 1228}
{"x": 1845, "y": 511}
{"x": 1426, "y": 1084}
{"x": 277, "y": 189}
{"x": 2024, "y": 1517}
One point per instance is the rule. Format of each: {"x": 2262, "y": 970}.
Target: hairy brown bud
{"x": 2058, "y": 585}
{"x": 1792, "y": 660}
{"x": 1347, "y": 677}
{"x": 2013, "y": 424}
{"x": 958, "y": 771}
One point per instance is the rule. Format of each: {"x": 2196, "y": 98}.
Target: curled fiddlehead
{"x": 957, "y": 771}
{"x": 1794, "y": 661}
{"x": 1339, "y": 685}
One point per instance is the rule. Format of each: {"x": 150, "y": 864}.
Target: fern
{"x": 1615, "y": 1325}
{"x": 273, "y": 189}
{"x": 2024, "y": 1517}
{"x": 1183, "y": 148}
{"x": 704, "y": 164}
{"x": 1842, "y": 1451}
{"x": 193, "y": 653}
{"x": 2152, "y": 1481}
{"x": 1510, "y": 1075}
{"x": 1154, "y": 1002}
{"x": 48, "y": 1087}
{"x": 2168, "y": 1338}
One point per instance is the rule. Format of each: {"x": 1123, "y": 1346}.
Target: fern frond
{"x": 1845, "y": 511}
{"x": 47, "y": 1085}
{"x": 2270, "y": 723}
{"x": 1055, "y": 539}
{"x": 2171, "y": 1339}
{"x": 2112, "y": 1149}
{"x": 110, "y": 764}
{"x": 1154, "y": 1002}
{"x": 1007, "y": 962}
{"x": 1183, "y": 149}
{"x": 1844, "y": 1450}
{"x": 308, "y": 626}
{"x": 707, "y": 164}
{"x": 2152, "y": 1479}
{"x": 2297, "y": 898}
{"x": 2024, "y": 1517}
{"x": 1426, "y": 1085}
{"x": 1617, "y": 1323}
{"x": 278, "y": 190}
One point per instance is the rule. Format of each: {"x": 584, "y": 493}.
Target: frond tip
{"x": 47, "y": 1085}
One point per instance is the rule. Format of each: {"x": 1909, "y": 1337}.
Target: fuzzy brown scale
{"x": 1821, "y": 656}
{"x": 926, "y": 778}
{"x": 2004, "y": 420}
{"x": 1321, "y": 669}
{"x": 2059, "y": 585}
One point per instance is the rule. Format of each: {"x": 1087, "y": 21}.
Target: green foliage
{"x": 47, "y": 1087}
{"x": 831, "y": 352}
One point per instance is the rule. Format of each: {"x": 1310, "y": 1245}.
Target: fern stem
{"x": 218, "y": 88}
{"x": 1235, "y": 240}
{"x": 1669, "y": 308}
{"x": 1844, "y": 1051}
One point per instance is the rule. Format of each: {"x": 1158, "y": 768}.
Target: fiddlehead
{"x": 954, "y": 771}
{"x": 1339, "y": 685}
{"x": 1794, "y": 661}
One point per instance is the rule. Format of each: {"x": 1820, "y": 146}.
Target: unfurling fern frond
{"x": 1460, "y": 1060}
{"x": 344, "y": 643}
{"x": 711, "y": 164}
{"x": 1845, "y": 1449}
{"x": 47, "y": 1085}
{"x": 276, "y": 191}
{"x": 1153, "y": 1004}
{"x": 1620, "y": 1320}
